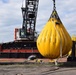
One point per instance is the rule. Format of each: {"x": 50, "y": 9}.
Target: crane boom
{"x": 29, "y": 14}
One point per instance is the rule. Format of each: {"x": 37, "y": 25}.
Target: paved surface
{"x": 36, "y": 69}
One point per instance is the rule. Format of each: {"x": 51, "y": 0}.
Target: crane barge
{"x": 24, "y": 44}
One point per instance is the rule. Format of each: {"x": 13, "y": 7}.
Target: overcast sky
{"x": 11, "y": 16}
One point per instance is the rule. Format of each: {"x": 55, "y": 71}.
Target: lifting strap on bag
{"x": 55, "y": 15}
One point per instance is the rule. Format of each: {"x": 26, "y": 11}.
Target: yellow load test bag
{"x": 54, "y": 40}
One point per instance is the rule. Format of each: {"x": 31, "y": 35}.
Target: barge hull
{"x": 19, "y": 49}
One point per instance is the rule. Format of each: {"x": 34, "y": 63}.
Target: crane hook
{"x": 54, "y": 4}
